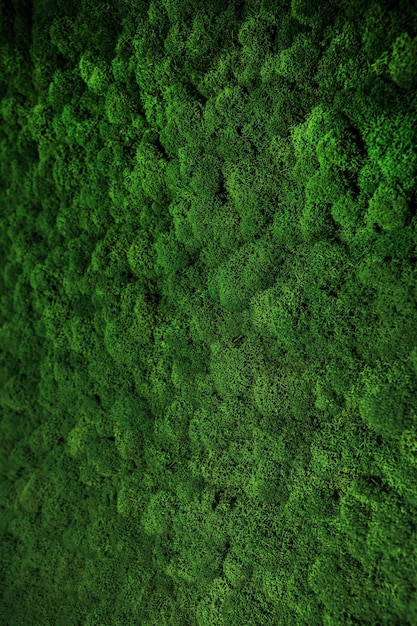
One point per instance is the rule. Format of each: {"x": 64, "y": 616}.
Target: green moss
{"x": 207, "y": 313}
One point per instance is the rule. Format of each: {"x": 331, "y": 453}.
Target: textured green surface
{"x": 208, "y": 313}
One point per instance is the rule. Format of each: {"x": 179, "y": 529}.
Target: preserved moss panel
{"x": 208, "y": 296}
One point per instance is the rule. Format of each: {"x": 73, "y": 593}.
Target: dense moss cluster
{"x": 208, "y": 312}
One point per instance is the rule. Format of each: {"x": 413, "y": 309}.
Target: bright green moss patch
{"x": 208, "y": 354}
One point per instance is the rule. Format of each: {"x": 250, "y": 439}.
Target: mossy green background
{"x": 208, "y": 313}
